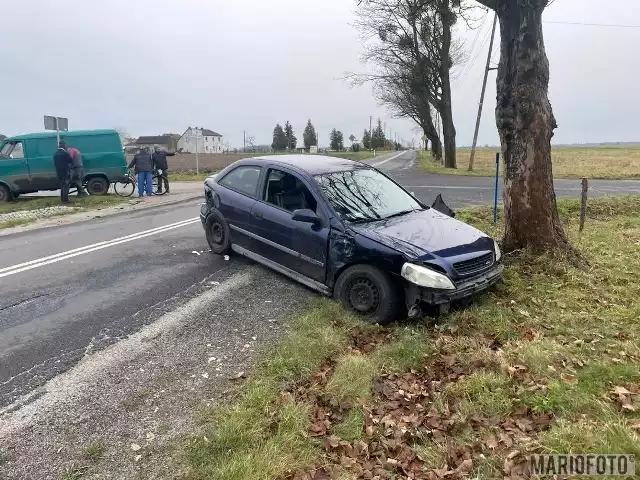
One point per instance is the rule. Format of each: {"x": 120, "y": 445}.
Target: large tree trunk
{"x": 448, "y": 128}
{"x": 436, "y": 147}
{"x": 525, "y": 122}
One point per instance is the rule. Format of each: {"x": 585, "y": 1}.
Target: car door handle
{"x": 258, "y": 214}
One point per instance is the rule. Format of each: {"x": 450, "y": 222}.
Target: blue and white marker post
{"x": 495, "y": 193}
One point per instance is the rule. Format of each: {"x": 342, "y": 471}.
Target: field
{"x": 547, "y": 362}
{"x": 568, "y": 162}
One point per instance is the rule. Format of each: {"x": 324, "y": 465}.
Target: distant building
{"x": 2, "y": 137}
{"x": 206, "y": 141}
{"x": 165, "y": 142}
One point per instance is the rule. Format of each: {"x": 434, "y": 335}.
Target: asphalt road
{"x": 71, "y": 290}
{"x": 462, "y": 191}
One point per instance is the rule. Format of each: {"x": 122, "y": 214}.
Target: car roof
{"x": 310, "y": 163}
{"x": 73, "y": 133}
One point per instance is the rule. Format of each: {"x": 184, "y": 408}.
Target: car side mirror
{"x": 305, "y": 215}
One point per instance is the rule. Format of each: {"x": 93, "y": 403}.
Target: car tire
{"x": 218, "y": 233}
{"x": 5, "y": 194}
{"x": 370, "y": 293}
{"x": 97, "y": 186}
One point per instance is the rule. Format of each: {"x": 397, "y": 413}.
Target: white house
{"x": 207, "y": 141}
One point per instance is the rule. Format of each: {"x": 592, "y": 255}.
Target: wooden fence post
{"x": 583, "y": 202}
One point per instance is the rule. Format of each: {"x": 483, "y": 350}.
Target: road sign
{"x": 423, "y": 138}
{"x": 60, "y": 124}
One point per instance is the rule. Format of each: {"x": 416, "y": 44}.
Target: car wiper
{"x": 399, "y": 214}
{"x": 364, "y": 220}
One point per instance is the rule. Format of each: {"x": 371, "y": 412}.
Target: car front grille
{"x": 473, "y": 265}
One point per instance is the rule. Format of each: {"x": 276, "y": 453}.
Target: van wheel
{"x": 97, "y": 186}
{"x": 217, "y": 231}
{"x": 5, "y": 194}
{"x": 369, "y": 292}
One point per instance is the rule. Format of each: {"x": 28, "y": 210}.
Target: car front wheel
{"x": 369, "y": 292}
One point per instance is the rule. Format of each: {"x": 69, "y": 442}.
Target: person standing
{"x": 77, "y": 174}
{"x": 143, "y": 164}
{"x": 160, "y": 163}
{"x": 63, "y": 162}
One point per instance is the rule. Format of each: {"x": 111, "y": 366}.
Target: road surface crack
{"x": 24, "y": 302}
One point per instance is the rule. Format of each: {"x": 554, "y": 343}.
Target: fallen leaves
{"x": 626, "y": 399}
{"x": 403, "y": 415}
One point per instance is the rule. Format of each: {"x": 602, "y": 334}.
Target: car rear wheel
{"x": 97, "y": 186}
{"x": 369, "y": 292}
{"x": 217, "y": 231}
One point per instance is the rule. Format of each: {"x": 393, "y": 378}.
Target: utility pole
{"x": 484, "y": 86}
{"x": 244, "y": 141}
{"x": 370, "y": 132}
{"x": 196, "y": 136}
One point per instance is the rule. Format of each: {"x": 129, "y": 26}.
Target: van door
{"x": 40, "y": 160}
{"x": 13, "y": 167}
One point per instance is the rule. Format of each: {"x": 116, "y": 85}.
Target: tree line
{"x": 284, "y": 139}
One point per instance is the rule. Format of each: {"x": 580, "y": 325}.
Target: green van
{"x": 26, "y": 161}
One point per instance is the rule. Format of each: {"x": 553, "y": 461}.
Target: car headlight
{"x": 425, "y": 277}
{"x": 497, "y": 250}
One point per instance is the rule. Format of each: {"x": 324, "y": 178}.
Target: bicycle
{"x": 129, "y": 184}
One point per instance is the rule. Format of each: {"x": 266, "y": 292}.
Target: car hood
{"x": 426, "y": 234}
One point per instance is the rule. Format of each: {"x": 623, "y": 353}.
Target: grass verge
{"x": 83, "y": 204}
{"x": 549, "y": 361}
{"x": 568, "y": 162}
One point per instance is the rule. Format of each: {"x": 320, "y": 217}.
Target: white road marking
{"x": 387, "y": 160}
{"x": 40, "y": 262}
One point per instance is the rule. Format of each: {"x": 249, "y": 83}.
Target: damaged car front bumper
{"x": 464, "y": 289}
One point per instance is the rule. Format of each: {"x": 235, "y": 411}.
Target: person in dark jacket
{"x": 77, "y": 171}
{"x": 63, "y": 163}
{"x": 143, "y": 164}
{"x": 160, "y": 163}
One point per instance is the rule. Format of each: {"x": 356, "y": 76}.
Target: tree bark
{"x": 525, "y": 123}
{"x": 436, "y": 147}
{"x": 448, "y": 128}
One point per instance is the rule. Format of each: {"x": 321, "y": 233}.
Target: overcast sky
{"x": 156, "y": 66}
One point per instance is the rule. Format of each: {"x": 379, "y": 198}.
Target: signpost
{"x": 424, "y": 139}
{"x": 59, "y": 124}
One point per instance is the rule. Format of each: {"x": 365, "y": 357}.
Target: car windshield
{"x": 364, "y": 195}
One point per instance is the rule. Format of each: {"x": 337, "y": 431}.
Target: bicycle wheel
{"x": 124, "y": 189}
{"x": 157, "y": 182}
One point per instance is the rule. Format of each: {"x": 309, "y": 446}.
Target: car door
{"x": 237, "y": 195}
{"x": 39, "y": 154}
{"x": 13, "y": 166}
{"x": 298, "y": 246}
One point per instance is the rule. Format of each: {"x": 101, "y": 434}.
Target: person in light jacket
{"x": 143, "y": 165}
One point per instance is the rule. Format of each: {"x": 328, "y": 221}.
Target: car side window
{"x": 288, "y": 192}
{"x": 13, "y": 150}
{"x": 242, "y": 179}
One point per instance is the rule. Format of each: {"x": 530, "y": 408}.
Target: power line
{"x": 593, "y": 24}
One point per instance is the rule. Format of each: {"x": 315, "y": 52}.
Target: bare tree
{"x": 525, "y": 123}
{"x": 251, "y": 143}
{"x": 413, "y": 54}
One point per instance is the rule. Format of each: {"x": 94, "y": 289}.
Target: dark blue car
{"x": 345, "y": 229}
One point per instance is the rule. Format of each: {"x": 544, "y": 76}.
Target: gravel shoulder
{"x": 120, "y": 412}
